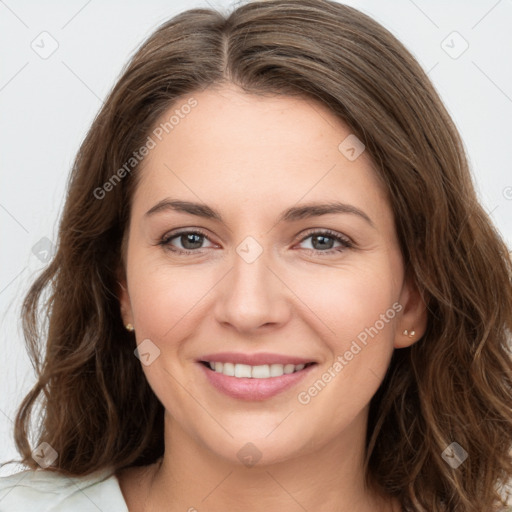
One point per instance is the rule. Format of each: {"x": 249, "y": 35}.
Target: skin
{"x": 251, "y": 157}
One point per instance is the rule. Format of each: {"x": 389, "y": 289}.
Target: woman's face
{"x": 276, "y": 276}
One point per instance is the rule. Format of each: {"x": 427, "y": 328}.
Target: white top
{"x": 48, "y": 491}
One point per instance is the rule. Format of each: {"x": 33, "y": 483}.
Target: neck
{"x": 326, "y": 478}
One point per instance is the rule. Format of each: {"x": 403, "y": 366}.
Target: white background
{"x": 47, "y": 105}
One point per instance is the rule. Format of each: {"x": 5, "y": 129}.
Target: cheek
{"x": 162, "y": 296}
{"x": 356, "y": 315}
{"x": 360, "y": 351}
{"x": 347, "y": 301}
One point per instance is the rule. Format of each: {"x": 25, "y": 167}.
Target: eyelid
{"x": 309, "y": 232}
{"x": 182, "y": 231}
{"x": 328, "y": 232}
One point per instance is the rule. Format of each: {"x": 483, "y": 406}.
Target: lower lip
{"x": 245, "y": 388}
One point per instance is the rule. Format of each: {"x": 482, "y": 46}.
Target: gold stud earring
{"x": 410, "y": 334}
{"x": 129, "y": 327}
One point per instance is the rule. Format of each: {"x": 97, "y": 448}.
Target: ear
{"x": 413, "y": 317}
{"x": 124, "y": 299}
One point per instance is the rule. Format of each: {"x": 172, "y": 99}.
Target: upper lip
{"x": 254, "y": 359}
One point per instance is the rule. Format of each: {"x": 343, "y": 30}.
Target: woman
{"x": 274, "y": 286}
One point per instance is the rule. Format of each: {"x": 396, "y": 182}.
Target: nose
{"x": 252, "y": 296}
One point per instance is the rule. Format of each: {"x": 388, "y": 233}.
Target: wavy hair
{"x": 454, "y": 385}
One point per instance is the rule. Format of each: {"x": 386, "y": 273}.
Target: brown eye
{"x": 323, "y": 242}
{"x": 186, "y": 242}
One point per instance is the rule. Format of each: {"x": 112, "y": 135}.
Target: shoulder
{"x": 506, "y": 493}
{"x": 49, "y": 491}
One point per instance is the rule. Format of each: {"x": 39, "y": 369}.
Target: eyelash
{"x": 346, "y": 243}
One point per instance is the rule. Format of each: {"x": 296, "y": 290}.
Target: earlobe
{"x": 407, "y": 339}
{"x": 412, "y": 324}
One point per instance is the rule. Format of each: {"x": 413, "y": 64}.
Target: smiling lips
{"x": 253, "y": 376}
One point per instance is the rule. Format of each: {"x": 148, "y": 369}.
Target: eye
{"x": 323, "y": 242}
{"x": 190, "y": 242}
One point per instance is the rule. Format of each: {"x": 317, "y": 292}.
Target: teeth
{"x": 241, "y": 370}
{"x": 260, "y": 372}
{"x": 263, "y": 371}
{"x": 228, "y": 369}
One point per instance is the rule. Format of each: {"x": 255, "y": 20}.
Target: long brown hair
{"x": 454, "y": 385}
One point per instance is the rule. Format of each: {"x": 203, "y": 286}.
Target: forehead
{"x": 239, "y": 149}
{"x": 229, "y": 120}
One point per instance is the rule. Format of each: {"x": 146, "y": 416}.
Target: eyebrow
{"x": 292, "y": 214}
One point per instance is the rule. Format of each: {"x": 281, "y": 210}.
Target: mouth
{"x": 261, "y": 380}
